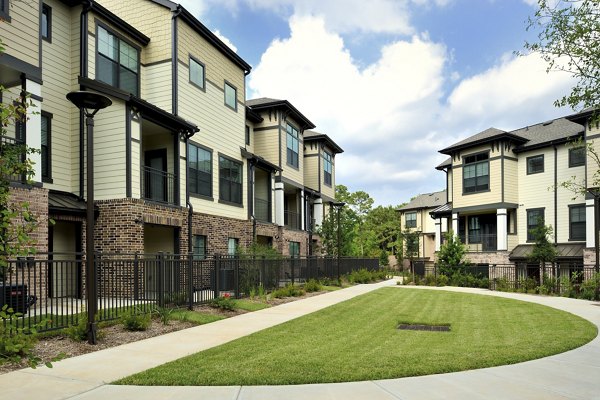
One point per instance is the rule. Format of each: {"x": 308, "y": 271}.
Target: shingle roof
{"x": 427, "y": 200}
{"x": 315, "y": 136}
{"x": 560, "y": 129}
{"x": 447, "y": 163}
{"x": 262, "y": 101}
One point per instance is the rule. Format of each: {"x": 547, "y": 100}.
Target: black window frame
{"x": 474, "y": 230}
{"x": 292, "y": 156}
{"x": 296, "y": 246}
{"x": 413, "y": 222}
{"x": 579, "y": 207}
{"x": 327, "y": 175}
{"x": 224, "y": 180}
{"x": 47, "y": 151}
{"x": 539, "y": 220}
{"x": 202, "y": 85}
{"x": 199, "y": 252}
{"x": 48, "y": 11}
{"x": 5, "y": 10}
{"x": 247, "y": 135}
{"x": 99, "y": 56}
{"x": 474, "y": 160}
{"x": 574, "y": 161}
{"x": 194, "y": 147}
{"x": 236, "y": 242}
{"x": 530, "y": 163}
{"x": 225, "y": 86}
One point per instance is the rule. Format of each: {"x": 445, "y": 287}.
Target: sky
{"x": 392, "y": 81}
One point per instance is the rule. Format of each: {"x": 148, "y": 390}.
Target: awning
{"x": 566, "y": 251}
{"x": 444, "y": 210}
{"x": 66, "y": 203}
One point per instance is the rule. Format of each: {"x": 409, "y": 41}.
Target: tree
{"x": 568, "y": 34}
{"x": 411, "y": 245}
{"x": 451, "y": 257}
{"x": 543, "y": 250}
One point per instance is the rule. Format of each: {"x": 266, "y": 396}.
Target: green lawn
{"x": 357, "y": 340}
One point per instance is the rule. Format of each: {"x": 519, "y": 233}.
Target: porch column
{"x": 501, "y": 230}
{"x": 438, "y": 234}
{"x": 589, "y": 224}
{"x": 318, "y": 212}
{"x": 33, "y": 127}
{"x": 279, "y": 199}
{"x": 302, "y": 210}
{"x": 444, "y": 225}
{"x": 455, "y": 224}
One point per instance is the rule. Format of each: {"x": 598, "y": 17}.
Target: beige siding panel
{"x": 152, "y": 20}
{"x": 156, "y": 85}
{"x": 325, "y": 189}
{"x": 449, "y": 185}
{"x": 21, "y": 36}
{"x": 74, "y": 113}
{"x": 311, "y": 172}
{"x": 494, "y": 195}
{"x": 266, "y": 145}
{"x": 592, "y": 166}
{"x": 136, "y": 161}
{"x": 566, "y": 197}
{"x": 289, "y": 172}
{"x": 511, "y": 179}
{"x": 91, "y": 55}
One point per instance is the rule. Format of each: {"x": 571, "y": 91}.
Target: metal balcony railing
{"x": 482, "y": 242}
{"x": 158, "y": 185}
{"x": 261, "y": 209}
{"x": 291, "y": 220}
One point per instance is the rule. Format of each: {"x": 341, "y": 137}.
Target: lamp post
{"x": 338, "y": 206}
{"x": 90, "y": 103}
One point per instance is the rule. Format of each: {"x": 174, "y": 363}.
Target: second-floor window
{"x": 200, "y": 170}
{"x": 4, "y": 8}
{"x": 230, "y": 181}
{"x": 247, "y": 135}
{"x": 411, "y": 220}
{"x": 577, "y": 222}
{"x": 535, "y": 218}
{"x": 230, "y": 96}
{"x": 293, "y": 146}
{"x": 117, "y": 62}
{"x": 46, "y": 136}
{"x": 197, "y": 73}
{"x": 46, "y": 24}
{"x": 327, "y": 167}
{"x": 535, "y": 164}
{"x": 577, "y": 156}
{"x": 476, "y": 173}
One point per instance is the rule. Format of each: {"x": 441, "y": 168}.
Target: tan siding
{"x": 266, "y": 145}
{"x": 311, "y": 165}
{"x": 21, "y": 36}
{"x": 511, "y": 180}
{"x": 325, "y": 189}
{"x": 449, "y": 186}
{"x": 494, "y": 195}
{"x": 289, "y": 172}
{"x": 74, "y": 113}
{"x": 156, "y": 85}
{"x": 136, "y": 160}
{"x": 564, "y": 196}
{"x": 592, "y": 166}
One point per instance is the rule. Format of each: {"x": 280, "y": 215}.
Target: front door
{"x": 155, "y": 178}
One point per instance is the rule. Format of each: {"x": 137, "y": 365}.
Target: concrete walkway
{"x": 571, "y": 375}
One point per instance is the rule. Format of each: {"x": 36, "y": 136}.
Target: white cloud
{"x": 225, "y": 40}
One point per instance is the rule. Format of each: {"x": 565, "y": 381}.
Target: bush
{"x": 224, "y": 302}
{"x": 164, "y": 314}
{"x": 442, "y": 280}
{"x": 588, "y": 288}
{"x": 288, "y": 291}
{"x": 78, "y": 332}
{"x": 136, "y": 320}
{"x": 313, "y": 286}
{"x": 430, "y": 280}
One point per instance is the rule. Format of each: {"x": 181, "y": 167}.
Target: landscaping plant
{"x": 224, "y": 302}
{"x": 136, "y": 320}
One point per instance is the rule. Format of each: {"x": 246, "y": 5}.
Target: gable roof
{"x": 486, "y": 136}
{"x": 312, "y": 136}
{"x": 264, "y": 103}
{"x": 427, "y": 200}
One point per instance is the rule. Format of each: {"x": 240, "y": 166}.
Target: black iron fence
{"x": 50, "y": 288}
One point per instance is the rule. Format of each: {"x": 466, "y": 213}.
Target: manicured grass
{"x": 358, "y": 340}
{"x": 250, "y": 305}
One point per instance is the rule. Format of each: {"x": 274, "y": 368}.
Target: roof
{"x": 554, "y": 131}
{"x": 310, "y": 136}
{"x": 259, "y": 161}
{"x": 441, "y": 211}
{"x": 265, "y": 103}
{"x": 427, "y": 200}
{"x": 565, "y": 250}
{"x": 66, "y": 203}
{"x": 447, "y": 163}
{"x": 486, "y": 136}
{"x": 253, "y": 116}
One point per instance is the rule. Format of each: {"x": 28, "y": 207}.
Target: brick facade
{"x": 37, "y": 198}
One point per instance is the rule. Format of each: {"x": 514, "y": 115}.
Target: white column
{"x": 501, "y": 230}
{"x": 438, "y": 234}
{"x": 589, "y": 224}
{"x": 444, "y": 225}
{"x": 455, "y": 224}
{"x": 302, "y": 210}
{"x": 34, "y": 128}
{"x": 318, "y": 212}
{"x": 279, "y": 199}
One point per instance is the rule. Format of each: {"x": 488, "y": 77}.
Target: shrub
{"x": 288, "y": 291}
{"x": 588, "y": 287}
{"x": 136, "y": 320}
{"x": 442, "y": 280}
{"x": 224, "y": 302}
{"x": 164, "y": 314}
{"x": 78, "y": 332}
{"x": 430, "y": 280}
{"x": 313, "y": 286}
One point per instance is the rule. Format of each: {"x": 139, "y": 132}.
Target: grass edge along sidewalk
{"x": 336, "y": 345}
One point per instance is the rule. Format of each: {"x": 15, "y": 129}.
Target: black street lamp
{"x": 338, "y": 207}
{"x": 90, "y": 103}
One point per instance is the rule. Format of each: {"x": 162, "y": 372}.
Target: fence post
{"x": 160, "y": 270}
{"x": 292, "y": 265}
{"x": 236, "y": 277}
{"x": 190, "y": 281}
{"x": 217, "y": 273}
{"x": 136, "y": 279}
{"x": 262, "y": 278}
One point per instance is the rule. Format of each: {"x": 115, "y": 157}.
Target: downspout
{"x": 187, "y": 196}
{"x": 555, "y": 194}
{"x": 83, "y": 72}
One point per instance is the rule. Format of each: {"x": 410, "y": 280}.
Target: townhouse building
{"x": 502, "y": 184}
{"x": 182, "y": 162}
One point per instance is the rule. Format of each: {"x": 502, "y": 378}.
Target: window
{"x": 230, "y": 96}
{"x": 327, "y": 167}
{"x": 4, "y": 7}
{"x": 535, "y": 218}
{"x": 247, "y": 135}
{"x": 577, "y": 222}
{"x": 576, "y": 157}
{"x": 232, "y": 245}
{"x": 230, "y": 181}
{"x": 45, "y": 150}
{"x": 294, "y": 249}
{"x": 476, "y": 174}
{"x": 474, "y": 230}
{"x": 117, "y": 62}
{"x": 535, "y": 164}
{"x": 411, "y": 219}
{"x": 197, "y": 73}
{"x": 46, "y": 24}
{"x": 200, "y": 170}
{"x": 293, "y": 145}
{"x": 199, "y": 247}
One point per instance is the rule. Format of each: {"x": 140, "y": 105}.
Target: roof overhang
{"x": 292, "y": 111}
{"x": 324, "y": 138}
{"x": 566, "y": 251}
{"x": 259, "y": 161}
{"x": 505, "y": 135}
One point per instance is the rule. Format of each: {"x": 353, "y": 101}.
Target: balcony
{"x": 291, "y": 220}
{"x": 481, "y": 242}
{"x": 158, "y": 185}
{"x": 261, "y": 210}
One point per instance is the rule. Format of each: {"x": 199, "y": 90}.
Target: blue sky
{"x": 392, "y": 81}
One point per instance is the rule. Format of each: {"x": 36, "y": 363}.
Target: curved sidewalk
{"x": 571, "y": 375}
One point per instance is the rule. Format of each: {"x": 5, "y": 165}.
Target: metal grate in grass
{"x": 424, "y": 327}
